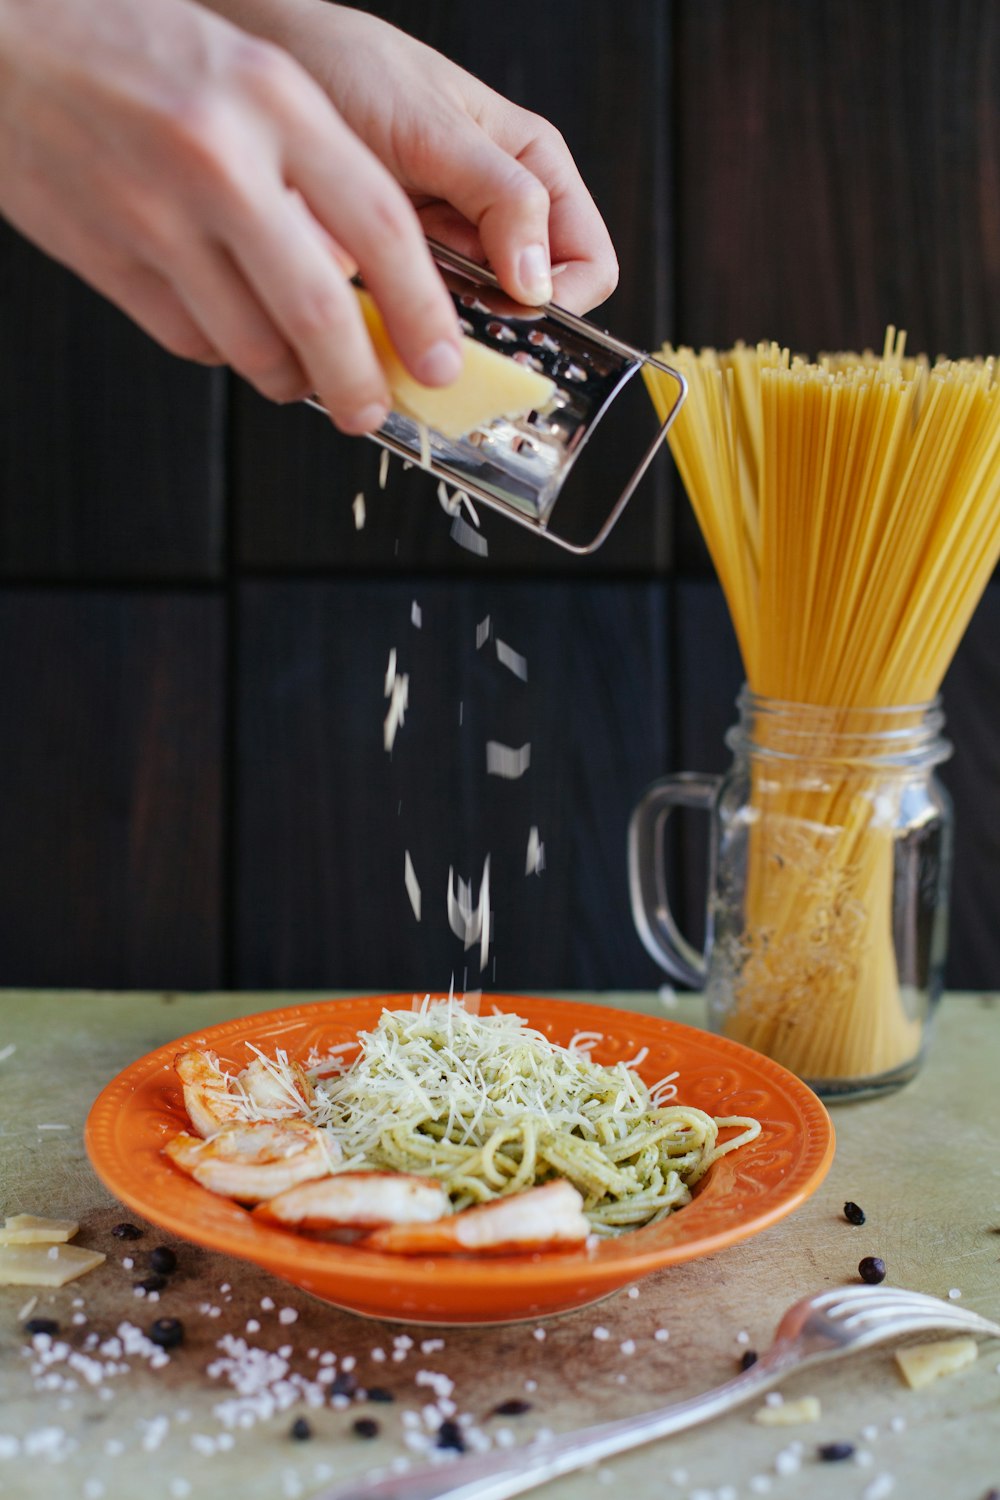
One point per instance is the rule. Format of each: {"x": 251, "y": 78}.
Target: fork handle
{"x": 498, "y": 1475}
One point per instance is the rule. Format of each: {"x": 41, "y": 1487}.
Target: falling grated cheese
{"x": 789, "y": 1413}
{"x": 483, "y": 632}
{"x": 359, "y": 511}
{"x": 412, "y": 884}
{"x": 37, "y": 1265}
{"x": 29, "y": 1229}
{"x": 504, "y": 760}
{"x": 465, "y": 536}
{"x": 491, "y": 385}
{"x": 512, "y": 660}
{"x": 383, "y": 468}
{"x": 921, "y": 1363}
{"x": 416, "y": 615}
{"x": 468, "y": 922}
{"x": 534, "y": 862}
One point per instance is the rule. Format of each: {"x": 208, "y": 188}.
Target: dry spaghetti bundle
{"x": 851, "y": 507}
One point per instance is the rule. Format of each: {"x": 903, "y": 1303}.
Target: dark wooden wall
{"x": 193, "y": 635}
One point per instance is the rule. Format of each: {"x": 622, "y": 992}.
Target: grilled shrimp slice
{"x": 281, "y": 1093}
{"x": 358, "y": 1200}
{"x": 543, "y": 1218}
{"x": 252, "y": 1160}
{"x": 214, "y": 1098}
{"x": 209, "y": 1097}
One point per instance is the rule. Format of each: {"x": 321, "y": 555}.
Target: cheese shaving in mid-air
{"x": 465, "y": 536}
{"x": 506, "y": 761}
{"x": 534, "y": 862}
{"x": 482, "y": 632}
{"x": 468, "y": 922}
{"x": 416, "y": 615}
{"x": 512, "y": 660}
{"x": 398, "y": 693}
{"x": 412, "y": 884}
{"x": 359, "y": 511}
{"x": 383, "y": 468}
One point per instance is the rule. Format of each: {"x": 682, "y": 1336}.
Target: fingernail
{"x": 368, "y": 419}
{"x": 535, "y": 273}
{"x": 440, "y": 364}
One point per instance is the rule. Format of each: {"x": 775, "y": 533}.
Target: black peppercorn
{"x": 152, "y": 1283}
{"x": 379, "y": 1393}
{"x": 872, "y": 1269}
{"x": 449, "y": 1435}
{"x": 300, "y": 1430}
{"x": 749, "y": 1358}
{"x": 163, "y": 1259}
{"x": 833, "y": 1453}
{"x": 366, "y": 1427}
{"x": 42, "y": 1325}
{"x": 343, "y": 1384}
{"x": 127, "y": 1232}
{"x": 853, "y": 1214}
{"x": 167, "y": 1332}
{"x": 513, "y": 1408}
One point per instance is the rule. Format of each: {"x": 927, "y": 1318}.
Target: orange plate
{"x": 141, "y": 1109}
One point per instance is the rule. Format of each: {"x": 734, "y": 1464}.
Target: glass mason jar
{"x": 829, "y": 872}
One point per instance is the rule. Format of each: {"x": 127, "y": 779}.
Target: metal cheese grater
{"x": 519, "y": 467}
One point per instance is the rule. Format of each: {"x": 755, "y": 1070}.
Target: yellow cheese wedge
{"x": 922, "y": 1363}
{"x": 789, "y": 1413}
{"x": 45, "y": 1265}
{"x": 29, "y": 1229}
{"x": 491, "y": 385}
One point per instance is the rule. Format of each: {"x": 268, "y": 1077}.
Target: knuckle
{"x": 317, "y": 313}
{"x": 531, "y": 196}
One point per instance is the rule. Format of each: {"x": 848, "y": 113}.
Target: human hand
{"x": 495, "y": 182}
{"x": 204, "y": 182}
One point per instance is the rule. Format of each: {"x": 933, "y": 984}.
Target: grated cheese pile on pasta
{"x": 488, "y": 1107}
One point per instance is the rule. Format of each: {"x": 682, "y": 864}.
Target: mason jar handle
{"x": 647, "y": 885}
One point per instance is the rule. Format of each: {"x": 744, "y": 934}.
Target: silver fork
{"x": 817, "y": 1328}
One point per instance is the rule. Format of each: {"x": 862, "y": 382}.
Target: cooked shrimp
{"x": 358, "y": 1200}
{"x": 543, "y": 1218}
{"x": 214, "y": 1098}
{"x": 252, "y": 1160}
{"x": 277, "y": 1092}
{"x": 209, "y": 1096}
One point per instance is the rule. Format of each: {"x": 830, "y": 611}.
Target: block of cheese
{"x": 922, "y": 1363}
{"x": 29, "y": 1229}
{"x": 45, "y": 1265}
{"x": 491, "y": 385}
{"x": 789, "y": 1413}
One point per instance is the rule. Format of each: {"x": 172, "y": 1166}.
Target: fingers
{"x": 359, "y": 204}
{"x": 508, "y": 205}
{"x": 580, "y": 243}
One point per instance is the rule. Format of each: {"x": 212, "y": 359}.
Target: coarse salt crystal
{"x": 869, "y": 1433}
{"x": 602, "y": 1334}
{"x": 267, "y": 1303}
{"x": 661, "y": 1335}
{"x": 531, "y": 1385}
{"x": 431, "y": 1346}
{"x": 378, "y": 1355}
{"x": 743, "y": 1337}
{"x": 128, "y": 1262}
{"x": 252, "y": 1325}
{"x": 897, "y": 1424}
{"x": 864, "y": 1459}
{"x": 787, "y": 1462}
{"x": 179, "y": 1488}
{"x": 773, "y": 1398}
{"x": 539, "y": 1334}
{"x": 288, "y": 1315}
{"x": 760, "y": 1484}
{"x": 882, "y": 1485}
{"x": 954, "y": 1294}
{"x": 627, "y": 1346}
{"x": 92, "y": 1489}
{"x": 348, "y": 1362}
{"x": 633, "y": 1292}
{"x": 10, "y": 1446}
